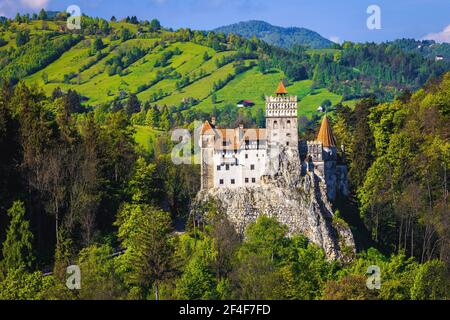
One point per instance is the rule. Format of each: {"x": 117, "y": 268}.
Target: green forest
{"x": 86, "y": 176}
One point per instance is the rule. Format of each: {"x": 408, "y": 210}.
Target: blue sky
{"x": 339, "y": 20}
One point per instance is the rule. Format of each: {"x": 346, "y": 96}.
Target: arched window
{"x": 275, "y": 124}
{"x": 288, "y": 124}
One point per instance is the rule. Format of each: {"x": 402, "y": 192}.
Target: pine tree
{"x": 133, "y": 105}
{"x": 17, "y": 248}
{"x": 43, "y": 15}
{"x": 165, "y": 119}
{"x": 145, "y": 234}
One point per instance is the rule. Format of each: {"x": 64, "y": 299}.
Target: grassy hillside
{"x": 86, "y": 72}
{"x": 145, "y": 137}
{"x": 155, "y": 74}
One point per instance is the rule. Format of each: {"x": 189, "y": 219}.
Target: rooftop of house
{"x": 233, "y": 139}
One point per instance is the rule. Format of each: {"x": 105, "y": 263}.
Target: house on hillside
{"x": 439, "y": 58}
{"x": 245, "y": 104}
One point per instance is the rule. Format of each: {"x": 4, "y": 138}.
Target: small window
{"x": 288, "y": 124}
{"x": 275, "y": 124}
{"x": 287, "y": 143}
{"x": 233, "y": 181}
{"x": 252, "y": 167}
{"x": 254, "y": 180}
{"x": 246, "y": 156}
{"x": 227, "y": 167}
{"x": 218, "y": 168}
{"x": 246, "y": 180}
{"x": 221, "y": 181}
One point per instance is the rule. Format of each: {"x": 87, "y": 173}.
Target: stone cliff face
{"x": 293, "y": 196}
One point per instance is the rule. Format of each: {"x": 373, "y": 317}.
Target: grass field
{"x": 145, "y": 136}
{"x": 309, "y": 104}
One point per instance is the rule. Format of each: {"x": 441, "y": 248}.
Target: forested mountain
{"x": 278, "y": 36}
{"x": 428, "y": 48}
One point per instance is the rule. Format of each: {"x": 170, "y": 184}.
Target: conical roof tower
{"x": 281, "y": 90}
{"x": 326, "y": 134}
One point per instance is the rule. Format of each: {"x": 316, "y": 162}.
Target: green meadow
{"x": 82, "y": 71}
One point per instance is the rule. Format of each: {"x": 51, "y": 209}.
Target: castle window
{"x": 233, "y": 181}
{"x": 252, "y": 167}
{"x": 246, "y": 156}
{"x": 288, "y": 124}
{"x": 275, "y": 124}
{"x": 287, "y": 143}
{"x": 227, "y": 167}
{"x": 221, "y": 181}
{"x": 246, "y": 180}
{"x": 254, "y": 180}
{"x": 218, "y": 168}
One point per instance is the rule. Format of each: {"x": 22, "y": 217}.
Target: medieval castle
{"x": 233, "y": 158}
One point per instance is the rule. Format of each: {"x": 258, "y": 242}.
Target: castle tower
{"x": 323, "y": 161}
{"x": 328, "y": 141}
{"x": 207, "y": 140}
{"x": 281, "y": 119}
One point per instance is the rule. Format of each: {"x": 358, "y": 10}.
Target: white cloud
{"x": 10, "y": 7}
{"x": 442, "y": 36}
{"x": 335, "y": 39}
{"x": 35, "y": 4}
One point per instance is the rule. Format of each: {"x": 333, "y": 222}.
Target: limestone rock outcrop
{"x": 291, "y": 194}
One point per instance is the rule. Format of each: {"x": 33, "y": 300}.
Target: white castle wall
{"x": 245, "y": 167}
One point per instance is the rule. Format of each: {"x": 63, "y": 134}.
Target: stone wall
{"x": 293, "y": 196}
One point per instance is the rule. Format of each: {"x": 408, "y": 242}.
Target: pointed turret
{"x": 281, "y": 90}
{"x": 326, "y": 134}
{"x": 207, "y": 128}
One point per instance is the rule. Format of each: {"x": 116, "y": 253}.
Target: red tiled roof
{"x": 281, "y": 88}
{"x": 207, "y": 128}
{"x": 326, "y": 134}
{"x": 232, "y": 139}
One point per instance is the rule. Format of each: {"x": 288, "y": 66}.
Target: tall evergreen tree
{"x": 17, "y": 248}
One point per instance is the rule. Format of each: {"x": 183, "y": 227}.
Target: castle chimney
{"x": 213, "y": 121}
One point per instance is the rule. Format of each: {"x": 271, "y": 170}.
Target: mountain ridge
{"x": 285, "y": 37}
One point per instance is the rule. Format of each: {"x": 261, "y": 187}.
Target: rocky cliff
{"x": 292, "y": 195}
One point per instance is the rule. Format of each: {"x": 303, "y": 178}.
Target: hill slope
{"x": 278, "y": 36}
{"x": 186, "y": 70}
{"x": 156, "y": 70}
